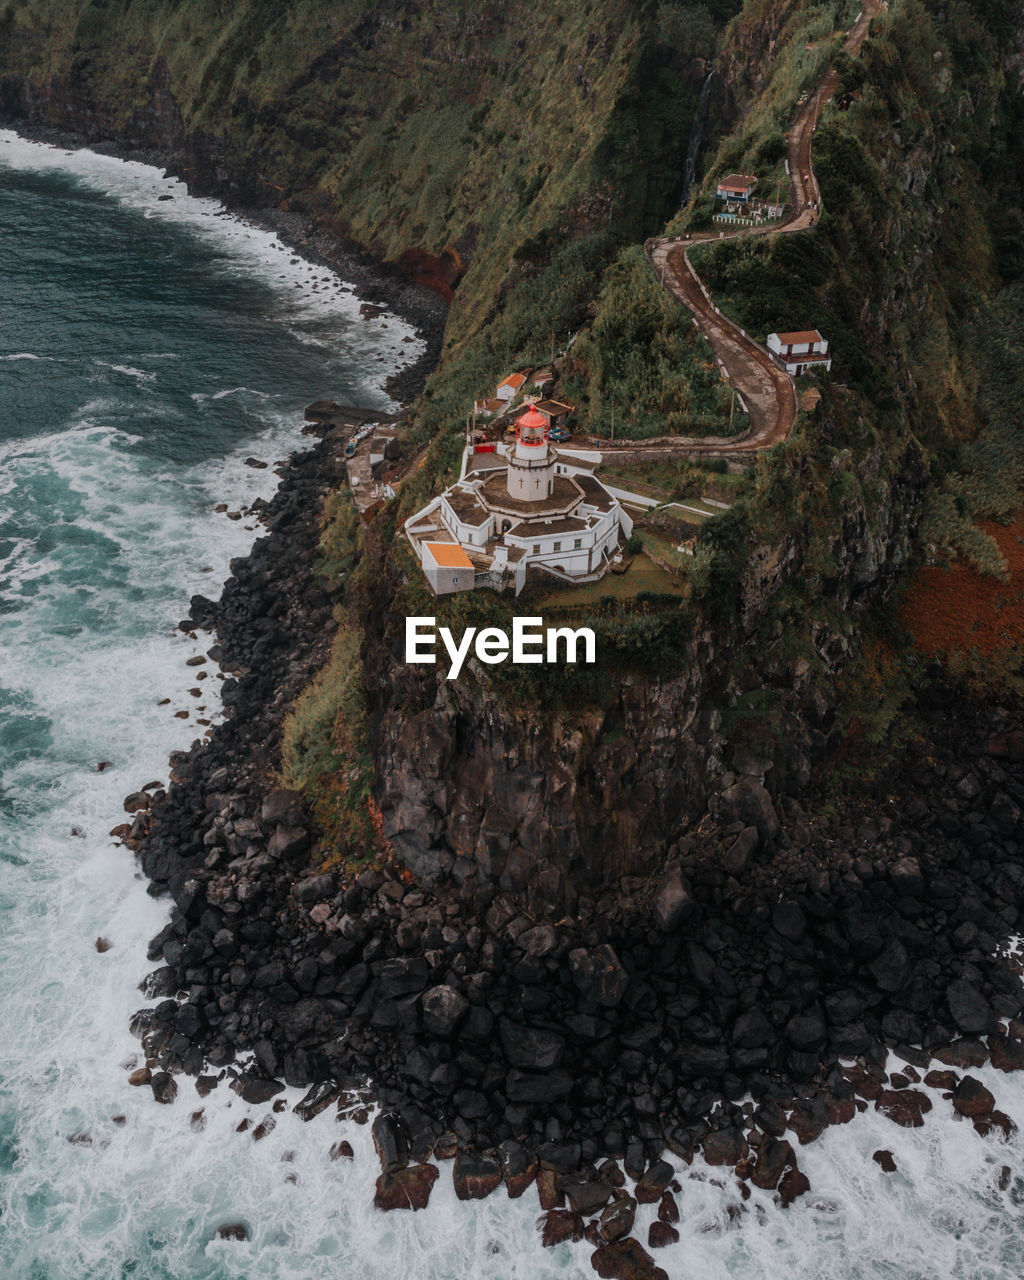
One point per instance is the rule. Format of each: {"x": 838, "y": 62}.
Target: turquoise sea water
{"x": 147, "y": 347}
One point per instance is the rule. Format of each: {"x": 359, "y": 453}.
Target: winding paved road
{"x": 767, "y": 391}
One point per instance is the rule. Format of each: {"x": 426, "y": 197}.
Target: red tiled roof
{"x": 737, "y": 182}
{"x": 514, "y": 380}
{"x": 795, "y": 339}
{"x": 448, "y": 555}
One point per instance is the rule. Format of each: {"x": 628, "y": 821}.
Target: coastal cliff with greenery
{"x": 690, "y": 898}
{"x": 515, "y": 158}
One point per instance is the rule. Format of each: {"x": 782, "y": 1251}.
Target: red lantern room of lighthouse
{"x": 531, "y": 465}
{"x": 531, "y": 430}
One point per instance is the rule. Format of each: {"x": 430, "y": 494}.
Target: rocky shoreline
{"x": 375, "y": 283}
{"x": 779, "y": 958}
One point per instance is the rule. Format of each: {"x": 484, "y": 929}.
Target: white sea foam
{"x": 243, "y": 247}
{"x": 140, "y": 374}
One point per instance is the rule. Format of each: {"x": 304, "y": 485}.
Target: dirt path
{"x": 767, "y": 391}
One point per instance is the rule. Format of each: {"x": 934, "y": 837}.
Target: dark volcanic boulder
{"x": 404, "y": 977}
{"x": 1007, "y": 1053}
{"x": 283, "y": 806}
{"x": 598, "y": 974}
{"x": 806, "y": 1031}
{"x": 518, "y": 1167}
{"x": 971, "y": 1098}
{"x": 789, "y": 921}
{"x": 748, "y": 802}
{"x": 617, "y": 1220}
{"x": 906, "y": 1107}
{"x": 561, "y": 1157}
{"x": 962, "y": 1053}
{"x": 288, "y": 842}
{"x": 586, "y": 1196}
{"x": 794, "y": 1183}
{"x": 654, "y": 1182}
{"x": 752, "y": 1030}
{"x": 408, "y": 1188}
{"x": 255, "y": 1089}
{"x": 625, "y": 1260}
{"x": 529, "y": 1086}
{"x": 232, "y": 1231}
{"x": 725, "y": 1146}
{"x": 163, "y": 1086}
{"x": 661, "y": 1234}
{"x": 530, "y": 1047}
{"x": 390, "y": 1142}
{"x": 736, "y": 857}
{"x": 891, "y": 970}
{"x": 969, "y": 1008}
{"x": 672, "y": 903}
{"x": 443, "y": 1010}
{"x": 773, "y": 1156}
{"x": 549, "y": 1189}
{"x": 906, "y": 877}
{"x": 559, "y": 1226}
{"x": 475, "y": 1175}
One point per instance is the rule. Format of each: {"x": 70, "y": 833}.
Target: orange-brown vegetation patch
{"x": 441, "y": 274}
{"x": 959, "y": 609}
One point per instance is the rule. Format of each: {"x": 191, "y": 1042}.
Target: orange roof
{"x": 489, "y": 406}
{"x": 448, "y": 555}
{"x": 514, "y": 380}
{"x": 737, "y": 182}
{"x": 795, "y": 339}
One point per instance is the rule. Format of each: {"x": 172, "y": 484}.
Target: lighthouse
{"x": 531, "y": 464}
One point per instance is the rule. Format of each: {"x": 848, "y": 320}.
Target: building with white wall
{"x": 518, "y": 506}
{"x": 804, "y": 351}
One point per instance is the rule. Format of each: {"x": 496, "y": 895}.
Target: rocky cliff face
{"x": 547, "y": 806}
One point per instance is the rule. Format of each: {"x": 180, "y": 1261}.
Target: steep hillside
{"x": 455, "y": 139}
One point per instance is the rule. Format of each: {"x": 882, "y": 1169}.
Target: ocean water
{"x": 149, "y": 346}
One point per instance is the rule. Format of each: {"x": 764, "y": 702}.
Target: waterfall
{"x": 696, "y": 138}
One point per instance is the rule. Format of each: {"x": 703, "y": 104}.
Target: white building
{"x": 737, "y": 186}
{"x": 802, "y": 352}
{"x": 508, "y": 388}
{"x": 516, "y": 506}
{"x": 447, "y": 567}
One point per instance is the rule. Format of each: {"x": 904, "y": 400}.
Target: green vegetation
{"x": 986, "y": 478}
{"x": 642, "y": 367}
{"x": 805, "y": 43}
{"x": 325, "y": 749}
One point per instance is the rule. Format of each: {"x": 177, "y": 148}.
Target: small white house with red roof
{"x": 737, "y": 186}
{"x": 447, "y": 567}
{"x": 509, "y": 388}
{"x": 803, "y": 351}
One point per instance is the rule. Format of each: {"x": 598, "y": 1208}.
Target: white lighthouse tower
{"x": 531, "y": 464}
